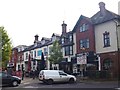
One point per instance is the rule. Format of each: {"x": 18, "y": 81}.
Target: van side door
{"x": 63, "y": 76}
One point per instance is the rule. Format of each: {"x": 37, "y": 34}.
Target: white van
{"x": 51, "y": 76}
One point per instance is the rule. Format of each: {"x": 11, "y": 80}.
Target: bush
{"x": 93, "y": 74}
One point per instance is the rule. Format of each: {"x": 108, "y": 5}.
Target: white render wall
{"x": 48, "y": 62}
{"x": 74, "y": 46}
{"x": 99, "y": 40}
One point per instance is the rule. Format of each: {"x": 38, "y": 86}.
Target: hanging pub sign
{"x": 82, "y": 59}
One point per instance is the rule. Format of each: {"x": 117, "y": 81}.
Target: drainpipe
{"x": 117, "y": 34}
{"x": 99, "y": 63}
{"x": 117, "y": 25}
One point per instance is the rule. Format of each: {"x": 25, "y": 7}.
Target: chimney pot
{"x": 102, "y": 8}
{"x": 36, "y": 38}
{"x": 64, "y": 28}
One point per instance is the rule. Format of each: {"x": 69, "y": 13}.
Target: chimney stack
{"x": 64, "y": 28}
{"x": 102, "y": 8}
{"x": 36, "y": 39}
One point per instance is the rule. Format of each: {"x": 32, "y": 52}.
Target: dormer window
{"x": 43, "y": 42}
{"x": 84, "y": 27}
{"x": 35, "y": 44}
{"x": 53, "y": 38}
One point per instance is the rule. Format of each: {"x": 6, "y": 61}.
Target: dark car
{"x": 9, "y": 79}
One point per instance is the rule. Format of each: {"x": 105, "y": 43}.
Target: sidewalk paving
{"x": 86, "y": 79}
{"x": 28, "y": 79}
{"x": 79, "y": 80}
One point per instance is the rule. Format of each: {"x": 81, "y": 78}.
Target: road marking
{"x": 27, "y": 83}
{"x": 118, "y": 88}
{"x": 30, "y": 87}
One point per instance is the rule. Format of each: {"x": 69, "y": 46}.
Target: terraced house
{"x": 93, "y": 44}
{"x": 107, "y": 39}
{"x": 98, "y": 42}
{"x": 68, "y": 49}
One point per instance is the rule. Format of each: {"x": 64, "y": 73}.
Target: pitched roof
{"x": 100, "y": 18}
{"x": 78, "y": 22}
{"x": 54, "y": 34}
{"x": 29, "y": 48}
{"x": 44, "y": 38}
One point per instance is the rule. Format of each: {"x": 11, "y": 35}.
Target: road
{"x": 38, "y": 84}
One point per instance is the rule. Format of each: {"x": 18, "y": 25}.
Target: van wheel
{"x": 50, "y": 81}
{"x": 71, "y": 80}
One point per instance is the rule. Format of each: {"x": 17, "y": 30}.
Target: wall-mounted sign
{"x": 82, "y": 59}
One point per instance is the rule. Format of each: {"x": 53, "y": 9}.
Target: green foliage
{"x": 5, "y": 47}
{"x": 56, "y": 54}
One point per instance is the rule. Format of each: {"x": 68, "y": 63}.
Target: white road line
{"x": 27, "y": 83}
{"x": 30, "y": 87}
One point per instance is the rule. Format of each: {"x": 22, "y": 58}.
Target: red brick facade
{"x": 115, "y": 58}
{"x": 14, "y": 57}
{"x": 86, "y": 34}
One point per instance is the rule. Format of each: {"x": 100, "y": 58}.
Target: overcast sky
{"x": 23, "y": 19}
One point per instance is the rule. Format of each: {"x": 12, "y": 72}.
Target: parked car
{"x": 51, "y": 76}
{"x": 8, "y": 79}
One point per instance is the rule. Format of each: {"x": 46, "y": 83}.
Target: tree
{"x": 5, "y": 47}
{"x": 56, "y": 53}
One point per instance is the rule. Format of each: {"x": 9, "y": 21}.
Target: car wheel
{"x": 50, "y": 81}
{"x": 15, "y": 83}
{"x": 71, "y": 80}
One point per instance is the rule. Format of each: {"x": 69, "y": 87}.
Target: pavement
{"x": 28, "y": 80}
{"x": 86, "y": 79}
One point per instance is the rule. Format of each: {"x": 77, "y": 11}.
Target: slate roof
{"x": 66, "y": 36}
{"x": 54, "y": 34}
{"x": 47, "y": 39}
{"x": 29, "y": 48}
{"x": 98, "y": 18}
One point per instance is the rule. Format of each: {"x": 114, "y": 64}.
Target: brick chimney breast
{"x": 36, "y": 39}
{"x": 64, "y": 28}
{"x": 102, "y": 8}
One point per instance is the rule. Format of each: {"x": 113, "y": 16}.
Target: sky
{"x": 23, "y": 19}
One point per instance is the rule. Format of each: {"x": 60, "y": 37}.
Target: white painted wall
{"x": 74, "y": 46}
{"x": 99, "y": 41}
{"x": 48, "y": 62}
